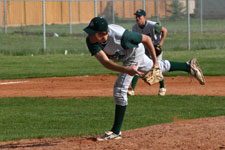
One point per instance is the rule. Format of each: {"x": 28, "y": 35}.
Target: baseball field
{"x": 65, "y": 102}
{"x": 54, "y": 101}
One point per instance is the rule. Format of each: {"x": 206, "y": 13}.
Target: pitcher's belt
{"x": 116, "y": 56}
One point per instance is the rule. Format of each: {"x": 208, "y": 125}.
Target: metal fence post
{"x": 188, "y": 25}
{"x": 0, "y": 20}
{"x": 70, "y": 9}
{"x": 113, "y": 15}
{"x": 201, "y": 15}
{"x": 95, "y": 5}
{"x": 5, "y": 16}
{"x": 158, "y": 16}
{"x": 44, "y": 33}
{"x": 165, "y": 8}
{"x": 143, "y": 4}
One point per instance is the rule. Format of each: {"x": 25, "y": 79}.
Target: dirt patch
{"x": 102, "y": 85}
{"x": 198, "y": 134}
{"x": 204, "y": 134}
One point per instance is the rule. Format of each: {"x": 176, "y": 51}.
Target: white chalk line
{"x": 16, "y": 82}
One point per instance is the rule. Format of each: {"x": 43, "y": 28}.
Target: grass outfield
{"x": 172, "y": 26}
{"x": 26, "y": 118}
{"x": 59, "y": 65}
{"x": 22, "y": 45}
{"x": 27, "y": 40}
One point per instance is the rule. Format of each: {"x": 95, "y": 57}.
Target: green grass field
{"x": 22, "y": 57}
{"x": 29, "y": 39}
{"x": 59, "y": 65}
{"x": 26, "y": 118}
{"x": 20, "y": 45}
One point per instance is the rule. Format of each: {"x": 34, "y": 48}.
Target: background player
{"x": 158, "y": 35}
{"x": 107, "y": 42}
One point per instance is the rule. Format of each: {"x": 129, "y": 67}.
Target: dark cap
{"x": 97, "y": 24}
{"x": 140, "y": 12}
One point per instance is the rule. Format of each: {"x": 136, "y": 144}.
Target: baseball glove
{"x": 153, "y": 76}
{"x": 158, "y": 49}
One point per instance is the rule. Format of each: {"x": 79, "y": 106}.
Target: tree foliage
{"x": 176, "y": 10}
{"x": 108, "y": 13}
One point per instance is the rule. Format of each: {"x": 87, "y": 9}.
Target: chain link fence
{"x": 34, "y": 26}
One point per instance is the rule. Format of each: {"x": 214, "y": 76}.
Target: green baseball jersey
{"x": 151, "y": 28}
{"x": 119, "y": 45}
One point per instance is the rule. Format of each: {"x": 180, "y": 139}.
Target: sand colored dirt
{"x": 197, "y": 134}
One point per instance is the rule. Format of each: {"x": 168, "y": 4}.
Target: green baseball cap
{"x": 140, "y": 12}
{"x": 97, "y": 24}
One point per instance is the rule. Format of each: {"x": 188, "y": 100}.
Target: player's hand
{"x": 158, "y": 48}
{"x": 156, "y": 65}
{"x": 132, "y": 70}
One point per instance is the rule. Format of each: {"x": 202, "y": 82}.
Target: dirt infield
{"x": 102, "y": 85}
{"x": 198, "y": 134}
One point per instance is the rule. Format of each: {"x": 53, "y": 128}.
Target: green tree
{"x": 176, "y": 10}
{"x": 108, "y": 13}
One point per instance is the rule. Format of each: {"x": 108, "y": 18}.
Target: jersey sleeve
{"x": 158, "y": 28}
{"x": 93, "y": 48}
{"x": 134, "y": 29}
{"x": 130, "y": 39}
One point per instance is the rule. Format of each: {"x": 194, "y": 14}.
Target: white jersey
{"x": 149, "y": 30}
{"x": 113, "y": 47}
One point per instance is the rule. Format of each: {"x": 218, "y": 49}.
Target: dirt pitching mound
{"x": 197, "y": 134}
{"x": 204, "y": 134}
